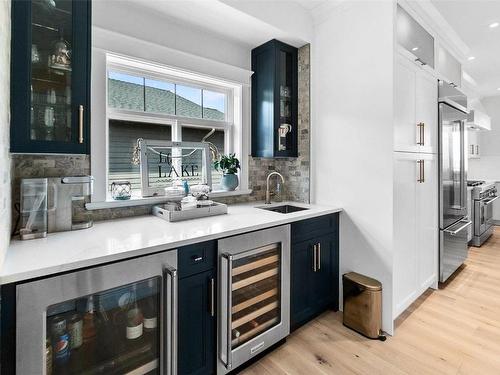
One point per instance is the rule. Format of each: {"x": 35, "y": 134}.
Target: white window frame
{"x": 234, "y": 111}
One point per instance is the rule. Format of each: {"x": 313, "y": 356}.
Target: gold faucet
{"x": 268, "y": 193}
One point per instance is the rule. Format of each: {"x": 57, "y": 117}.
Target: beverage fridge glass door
{"x": 254, "y": 293}
{"x": 114, "y": 319}
{"x": 453, "y": 179}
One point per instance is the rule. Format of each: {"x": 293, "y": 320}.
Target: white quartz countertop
{"x": 112, "y": 240}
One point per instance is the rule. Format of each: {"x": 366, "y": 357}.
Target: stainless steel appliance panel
{"x": 34, "y": 299}
{"x": 453, "y": 174}
{"x": 264, "y": 253}
{"x": 453, "y": 248}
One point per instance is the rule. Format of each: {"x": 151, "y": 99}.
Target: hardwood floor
{"x": 455, "y": 330}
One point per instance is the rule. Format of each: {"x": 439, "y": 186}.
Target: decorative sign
{"x": 164, "y": 162}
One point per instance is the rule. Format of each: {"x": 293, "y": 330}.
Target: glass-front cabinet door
{"x": 287, "y": 96}
{"x": 50, "y": 80}
{"x": 114, "y": 319}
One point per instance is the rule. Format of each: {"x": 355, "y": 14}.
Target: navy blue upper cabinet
{"x": 50, "y": 76}
{"x": 274, "y": 100}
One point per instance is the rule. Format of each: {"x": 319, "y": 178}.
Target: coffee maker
{"x": 67, "y": 203}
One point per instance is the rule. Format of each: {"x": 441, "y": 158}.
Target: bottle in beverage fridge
{"x": 88, "y": 326}
{"x": 60, "y": 341}
{"x": 75, "y": 328}
{"x": 135, "y": 319}
{"x": 149, "y": 309}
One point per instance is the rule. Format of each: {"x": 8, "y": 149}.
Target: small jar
{"x": 121, "y": 190}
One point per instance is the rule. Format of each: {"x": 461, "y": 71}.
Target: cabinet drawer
{"x": 196, "y": 258}
{"x": 312, "y": 228}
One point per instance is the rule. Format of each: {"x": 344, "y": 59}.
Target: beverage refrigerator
{"x": 118, "y": 318}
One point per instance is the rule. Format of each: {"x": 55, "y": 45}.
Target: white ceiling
{"x": 471, "y": 20}
{"x": 311, "y": 4}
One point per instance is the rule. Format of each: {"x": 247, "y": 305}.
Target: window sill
{"x": 138, "y": 201}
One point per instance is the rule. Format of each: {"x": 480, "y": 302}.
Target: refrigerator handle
{"x": 455, "y": 232}
{"x": 170, "y": 318}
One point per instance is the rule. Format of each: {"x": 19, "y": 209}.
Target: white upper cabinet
{"x": 427, "y": 111}
{"x": 415, "y": 111}
{"x": 414, "y": 38}
{"x": 448, "y": 67}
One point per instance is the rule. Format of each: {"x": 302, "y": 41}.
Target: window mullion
{"x": 177, "y": 132}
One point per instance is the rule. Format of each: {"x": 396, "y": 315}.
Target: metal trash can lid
{"x": 364, "y": 281}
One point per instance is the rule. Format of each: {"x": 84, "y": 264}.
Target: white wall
{"x": 488, "y": 166}
{"x": 352, "y": 135}
{"x": 129, "y": 18}
{"x": 5, "y": 210}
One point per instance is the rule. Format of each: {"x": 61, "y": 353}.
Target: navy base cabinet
{"x": 314, "y": 268}
{"x": 197, "y": 309}
{"x": 274, "y": 100}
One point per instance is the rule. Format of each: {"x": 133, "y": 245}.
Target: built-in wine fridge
{"x": 254, "y": 297}
{"x": 114, "y": 319}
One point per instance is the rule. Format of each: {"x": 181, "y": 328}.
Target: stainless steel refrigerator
{"x": 453, "y": 220}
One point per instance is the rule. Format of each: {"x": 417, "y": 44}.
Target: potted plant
{"x": 229, "y": 165}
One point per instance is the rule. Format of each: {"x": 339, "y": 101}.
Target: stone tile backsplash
{"x": 295, "y": 170}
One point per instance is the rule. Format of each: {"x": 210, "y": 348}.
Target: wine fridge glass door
{"x": 254, "y": 294}
{"x": 113, "y": 319}
{"x": 114, "y": 331}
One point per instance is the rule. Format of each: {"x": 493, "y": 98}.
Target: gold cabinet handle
{"x": 212, "y": 297}
{"x": 80, "y": 124}
{"x": 315, "y": 259}
{"x": 421, "y": 133}
{"x": 318, "y": 257}
{"x": 421, "y": 171}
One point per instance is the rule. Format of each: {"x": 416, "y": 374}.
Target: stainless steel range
{"x": 254, "y": 294}
{"x": 483, "y": 196}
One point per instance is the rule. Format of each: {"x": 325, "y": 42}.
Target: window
{"x": 146, "y": 104}
{"x": 135, "y": 93}
{"x": 122, "y": 139}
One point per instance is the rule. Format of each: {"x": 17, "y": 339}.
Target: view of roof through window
{"x": 137, "y": 93}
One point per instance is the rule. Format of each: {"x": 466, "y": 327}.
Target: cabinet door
{"x": 301, "y": 300}
{"x": 50, "y": 76}
{"x": 196, "y": 321}
{"x": 405, "y": 239}
{"x": 427, "y": 224}
{"x": 325, "y": 278}
{"x": 426, "y": 111}
{"x": 406, "y": 130}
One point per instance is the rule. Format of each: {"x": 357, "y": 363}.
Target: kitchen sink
{"x": 284, "y": 209}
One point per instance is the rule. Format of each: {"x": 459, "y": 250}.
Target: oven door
{"x": 483, "y": 215}
{"x": 254, "y": 294}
